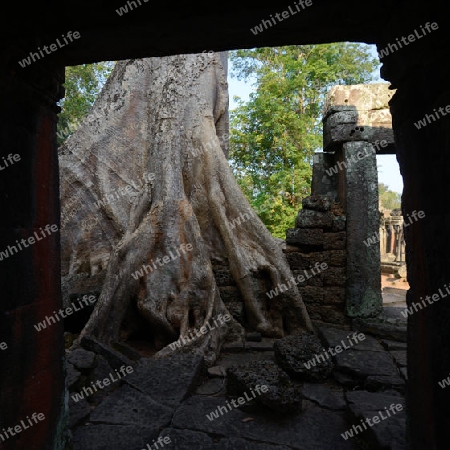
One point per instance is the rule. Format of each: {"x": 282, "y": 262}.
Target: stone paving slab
{"x": 313, "y": 429}
{"x": 78, "y": 411}
{"x": 127, "y": 406}
{"x": 114, "y": 437}
{"x": 324, "y": 396}
{"x": 169, "y": 380}
{"x": 334, "y": 337}
{"x": 189, "y": 440}
{"x": 389, "y": 433}
{"x": 364, "y": 364}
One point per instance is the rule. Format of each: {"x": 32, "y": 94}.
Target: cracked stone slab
{"x": 324, "y": 396}
{"x": 78, "y": 411}
{"x": 394, "y": 345}
{"x": 388, "y": 433}
{"x": 212, "y": 387}
{"x": 400, "y": 357}
{"x": 313, "y": 429}
{"x": 127, "y": 406}
{"x": 73, "y": 377}
{"x": 188, "y": 440}
{"x": 334, "y": 337}
{"x": 169, "y": 380}
{"x": 102, "y": 371}
{"x": 365, "y": 364}
{"x": 114, "y": 358}
{"x": 114, "y": 437}
{"x": 390, "y": 324}
{"x": 380, "y": 382}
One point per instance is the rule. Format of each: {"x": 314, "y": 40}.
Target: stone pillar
{"x": 357, "y": 126}
{"x": 363, "y": 289}
{"x": 32, "y": 365}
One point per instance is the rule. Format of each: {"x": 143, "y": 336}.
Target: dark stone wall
{"x": 32, "y": 371}
{"x": 320, "y": 237}
{"x": 424, "y": 157}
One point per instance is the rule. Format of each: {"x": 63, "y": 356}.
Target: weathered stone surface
{"x": 304, "y": 261}
{"x": 293, "y": 352}
{"x": 73, "y": 377}
{"x": 394, "y": 345}
{"x": 312, "y": 294}
{"x": 363, "y": 221}
{"x": 114, "y": 358}
{"x": 82, "y": 359}
{"x": 234, "y": 359}
{"x": 339, "y": 223}
{"x": 167, "y": 380}
{"x": 334, "y": 241}
{"x": 253, "y": 336}
{"x": 358, "y": 112}
{"x": 331, "y": 337}
{"x": 307, "y": 218}
{"x": 114, "y": 437}
{"x": 128, "y": 406}
{"x": 298, "y": 260}
{"x": 400, "y": 357}
{"x": 362, "y": 364}
{"x": 266, "y": 345}
{"x": 234, "y": 347}
{"x": 391, "y": 431}
{"x": 304, "y": 237}
{"x": 329, "y": 314}
{"x": 390, "y": 324}
{"x": 101, "y": 371}
{"x": 188, "y": 440}
{"x": 126, "y": 350}
{"x": 335, "y": 258}
{"x": 217, "y": 371}
{"x": 313, "y": 429}
{"x": 212, "y": 387}
{"x": 334, "y": 276}
{"x": 363, "y": 97}
{"x": 324, "y": 396}
{"x": 404, "y": 373}
{"x": 333, "y": 295}
{"x": 317, "y": 203}
{"x": 381, "y": 382}
{"x": 344, "y": 379}
{"x": 78, "y": 412}
{"x": 316, "y": 280}
{"x": 282, "y": 396}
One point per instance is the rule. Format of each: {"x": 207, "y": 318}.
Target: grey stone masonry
{"x": 358, "y": 113}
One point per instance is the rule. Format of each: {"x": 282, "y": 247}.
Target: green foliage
{"x": 83, "y": 84}
{"x": 389, "y": 199}
{"x": 274, "y": 135}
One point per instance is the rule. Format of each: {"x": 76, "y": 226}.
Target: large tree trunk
{"x": 160, "y": 125}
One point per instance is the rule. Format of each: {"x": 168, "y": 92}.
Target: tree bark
{"x": 160, "y": 127}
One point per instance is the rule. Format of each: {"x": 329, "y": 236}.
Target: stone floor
{"x": 172, "y": 398}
